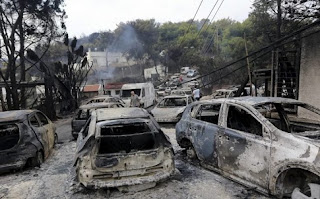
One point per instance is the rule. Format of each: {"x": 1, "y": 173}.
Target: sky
{"x": 89, "y": 16}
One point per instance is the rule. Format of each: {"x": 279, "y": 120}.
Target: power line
{"x": 208, "y": 27}
{"x": 268, "y": 48}
{"x": 235, "y": 70}
{"x": 191, "y": 23}
{"x": 207, "y": 19}
{"x": 201, "y": 26}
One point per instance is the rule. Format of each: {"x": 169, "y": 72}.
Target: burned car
{"x": 83, "y": 113}
{"x": 269, "y": 144}
{"x": 170, "y": 108}
{"x": 122, "y": 148}
{"x": 105, "y": 99}
{"x": 224, "y": 93}
{"x": 27, "y": 137}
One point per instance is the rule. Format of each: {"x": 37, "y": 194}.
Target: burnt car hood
{"x": 167, "y": 112}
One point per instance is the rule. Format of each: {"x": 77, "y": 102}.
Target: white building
{"x": 108, "y": 59}
{"x": 149, "y": 72}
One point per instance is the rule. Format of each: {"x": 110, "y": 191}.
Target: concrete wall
{"x": 149, "y": 71}
{"x": 309, "y": 85}
{"x": 99, "y": 59}
{"x": 108, "y": 59}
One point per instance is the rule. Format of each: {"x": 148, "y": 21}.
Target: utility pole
{"x": 279, "y": 23}
{"x": 279, "y": 19}
{"x": 248, "y": 65}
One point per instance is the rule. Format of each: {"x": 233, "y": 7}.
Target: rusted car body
{"x": 26, "y": 137}
{"x": 270, "y": 144}
{"x": 122, "y": 147}
{"x": 83, "y": 113}
{"x": 170, "y": 108}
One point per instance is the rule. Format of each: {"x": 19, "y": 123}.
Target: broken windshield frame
{"x": 306, "y": 118}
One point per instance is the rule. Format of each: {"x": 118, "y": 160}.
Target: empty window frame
{"x": 239, "y": 119}
{"x": 126, "y": 138}
{"x": 43, "y": 119}
{"x": 209, "y": 113}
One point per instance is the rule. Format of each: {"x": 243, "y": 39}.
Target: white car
{"x": 192, "y": 84}
{"x": 181, "y": 92}
{"x": 170, "y": 108}
{"x": 192, "y": 73}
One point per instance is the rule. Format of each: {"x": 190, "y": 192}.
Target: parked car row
{"x": 269, "y": 144}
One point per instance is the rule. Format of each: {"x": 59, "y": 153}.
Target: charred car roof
{"x": 175, "y": 96}
{"x": 254, "y": 101}
{"x": 18, "y": 115}
{"x": 98, "y": 105}
{"x": 121, "y": 113}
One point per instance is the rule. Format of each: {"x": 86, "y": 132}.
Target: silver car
{"x": 170, "y": 108}
{"x": 269, "y": 144}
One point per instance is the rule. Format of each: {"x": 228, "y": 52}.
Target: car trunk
{"x": 9, "y": 136}
{"x": 128, "y": 147}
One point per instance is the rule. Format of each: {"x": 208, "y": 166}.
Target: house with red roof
{"x": 112, "y": 89}
{"x": 93, "y": 90}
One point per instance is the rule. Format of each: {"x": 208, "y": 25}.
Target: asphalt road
{"x": 54, "y": 179}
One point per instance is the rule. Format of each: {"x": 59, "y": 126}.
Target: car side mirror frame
{"x": 266, "y": 132}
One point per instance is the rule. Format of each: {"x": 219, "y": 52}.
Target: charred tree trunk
{"x": 22, "y": 65}
{"x": 2, "y": 101}
{"x": 49, "y": 102}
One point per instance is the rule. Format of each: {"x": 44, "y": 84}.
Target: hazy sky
{"x": 88, "y": 16}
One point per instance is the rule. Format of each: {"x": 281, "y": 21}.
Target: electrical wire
{"x": 190, "y": 23}
{"x": 181, "y": 57}
{"x": 207, "y": 18}
{"x": 269, "y": 48}
{"x": 208, "y": 27}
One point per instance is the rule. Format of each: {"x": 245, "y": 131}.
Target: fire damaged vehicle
{"x": 122, "y": 148}
{"x": 170, "y": 108}
{"x": 269, "y": 144}
{"x": 27, "y": 137}
{"x": 84, "y": 111}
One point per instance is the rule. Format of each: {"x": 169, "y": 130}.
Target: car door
{"x": 244, "y": 146}
{"x": 204, "y": 131}
{"x": 79, "y": 120}
{"x": 49, "y": 128}
{"x": 40, "y": 133}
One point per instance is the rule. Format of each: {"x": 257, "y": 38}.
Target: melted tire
{"x": 37, "y": 160}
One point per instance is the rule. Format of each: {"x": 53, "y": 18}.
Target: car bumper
{"x": 155, "y": 168}
{"x": 128, "y": 181}
{"x": 16, "y": 158}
